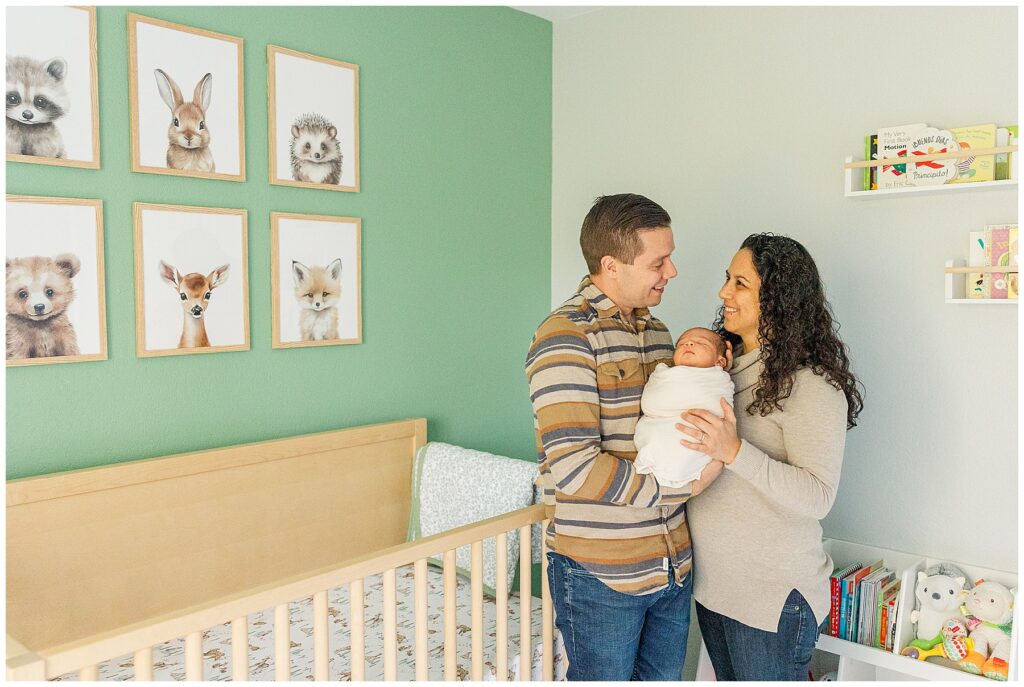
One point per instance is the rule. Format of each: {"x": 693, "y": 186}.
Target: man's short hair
{"x": 612, "y": 227}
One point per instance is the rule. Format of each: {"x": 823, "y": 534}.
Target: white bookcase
{"x": 858, "y": 662}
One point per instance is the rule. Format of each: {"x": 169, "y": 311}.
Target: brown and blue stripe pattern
{"x": 587, "y": 368}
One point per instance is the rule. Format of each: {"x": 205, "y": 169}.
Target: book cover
{"x": 835, "y": 580}
{"x": 885, "y": 597}
{"x": 894, "y": 612}
{"x": 871, "y": 153}
{"x": 869, "y": 603}
{"x": 1011, "y": 277}
{"x": 997, "y": 248}
{"x": 977, "y": 284}
{"x": 893, "y": 142}
{"x": 1002, "y": 159}
{"x": 929, "y": 141}
{"x": 873, "y": 607}
{"x": 853, "y": 584}
{"x": 975, "y": 168}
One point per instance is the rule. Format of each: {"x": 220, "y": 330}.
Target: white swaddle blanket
{"x": 670, "y": 391}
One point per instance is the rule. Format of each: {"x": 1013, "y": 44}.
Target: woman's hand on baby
{"x": 713, "y": 436}
{"x": 708, "y": 475}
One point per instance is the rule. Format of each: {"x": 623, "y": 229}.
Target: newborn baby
{"x": 698, "y": 380}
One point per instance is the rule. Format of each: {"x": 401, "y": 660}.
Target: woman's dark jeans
{"x": 741, "y": 652}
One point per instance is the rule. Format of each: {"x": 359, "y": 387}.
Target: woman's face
{"x": 741, "y": 297}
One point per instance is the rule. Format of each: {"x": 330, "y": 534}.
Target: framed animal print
{"x": 191, "y": 280}
{"x": 187, "y": 104}
{"x": 316, "y": 280}
{"x": 56, "y": 311}
{"x": 52, "y": 93}
{"x": 313, "y": 120}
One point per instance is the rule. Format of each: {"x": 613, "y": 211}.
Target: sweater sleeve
{"x": 813, "y": 422}
{"x": 562, "y": 371}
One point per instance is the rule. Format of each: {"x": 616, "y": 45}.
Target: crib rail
{"x": 85, "y": 655}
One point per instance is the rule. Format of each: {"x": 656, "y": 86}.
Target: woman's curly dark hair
{"x": 796, "y": 328}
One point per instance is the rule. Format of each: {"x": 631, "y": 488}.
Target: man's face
{"x": 642, "y": 284}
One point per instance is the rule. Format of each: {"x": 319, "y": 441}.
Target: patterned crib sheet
{"x": 169, "y": 657}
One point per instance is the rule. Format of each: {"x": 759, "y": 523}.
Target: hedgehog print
{"x": 315, "y": 150}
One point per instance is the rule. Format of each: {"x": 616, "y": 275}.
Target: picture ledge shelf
{"x": 959, "y": 287}
{"x": 854, "y": 185}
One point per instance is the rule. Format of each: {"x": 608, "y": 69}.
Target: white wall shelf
{"x": 956, "y": 284}
{"x": 854, "y": 177}
{"x": 858, "y": 662}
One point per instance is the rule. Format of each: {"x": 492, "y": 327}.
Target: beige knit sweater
{"x": 755, "y": 530}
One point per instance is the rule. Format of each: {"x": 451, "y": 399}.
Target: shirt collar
{"x": 604, "y": 306}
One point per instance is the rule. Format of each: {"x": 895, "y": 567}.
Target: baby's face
{"x": 698, "y": 347}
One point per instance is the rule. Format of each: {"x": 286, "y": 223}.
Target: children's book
{"x": 835, "y": 581}
{"x": 852, "y": 586}
{"x": 1011, "y": 277}
{"x": 1002, "y": 160}
{"x": 885, "y": 595}
{"x": 894, "y": 611}
{"x": 868, "y": 603}
{"x": 871, "y": 153}
{"x": 977, "y": 282}
{"x": 893, "y": 142}
{"x": 997, "y": 248}
{"x": 975, "y": 168}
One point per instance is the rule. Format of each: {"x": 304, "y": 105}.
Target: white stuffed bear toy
{"x": 989, "y": 609}
{"x": 939, "y": 595}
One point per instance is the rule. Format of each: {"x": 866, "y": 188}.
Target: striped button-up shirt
{"x": 587, "y": 367}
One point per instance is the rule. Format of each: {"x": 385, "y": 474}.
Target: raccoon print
{"x": 37, "y": 98}
{"x": 315, "y": 150}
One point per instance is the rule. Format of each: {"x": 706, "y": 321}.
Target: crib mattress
{"x": 169, "y": 657}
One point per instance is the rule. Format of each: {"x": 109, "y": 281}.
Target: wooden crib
{"x": 243, "y": 528}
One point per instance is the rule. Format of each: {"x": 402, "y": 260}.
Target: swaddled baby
{"x": 698, "y": 380}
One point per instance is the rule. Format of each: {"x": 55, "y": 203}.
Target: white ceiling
{"x": 556, "y": 13}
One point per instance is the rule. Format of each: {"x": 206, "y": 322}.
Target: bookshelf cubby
{"x": 853, "y": 177}
{"x": 857, "y": 662}
{"x": 956, "y": 289}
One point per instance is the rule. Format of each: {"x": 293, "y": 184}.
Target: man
{"x": 619, "y": 567}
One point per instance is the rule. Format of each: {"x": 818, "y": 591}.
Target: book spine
{"x": 833, "y": 616}
{"x": 883, "y": 623}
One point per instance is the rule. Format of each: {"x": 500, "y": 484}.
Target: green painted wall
{"x": 455, "y": 146}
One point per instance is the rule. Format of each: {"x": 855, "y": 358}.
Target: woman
{"x": 761, "y": 576}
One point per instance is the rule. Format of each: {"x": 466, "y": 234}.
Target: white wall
{"x": 737, "y": 120}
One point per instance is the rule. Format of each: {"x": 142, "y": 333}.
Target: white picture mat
{"x": 317, "y": 243}
{"x": 186, "y": 58}
{"x": 43, "y": 33}
{"x": 192, "y": 242}
{"x": 48, "y": 230}
{"x": 303, "y": 86}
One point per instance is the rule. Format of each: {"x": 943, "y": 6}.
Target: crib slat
{"x": 450, "y": 647}
{"x": 282, "y": 644}
{"x": 321, "y": 649}
{"x": 546, "y": 615}
{"x": 89, "y": 673}
{"x": 390, "y": 627}
{"x": 422, "y": 655}
{"x": 240, "y": 649}
{"x": 476, "y": 585}
{"x": 194, "y": 657}
{"x": 144, "y": 665}
{"x": 501, "y": 606}
{"x": 525, "y": 604}
{"x": 358, "y": 652}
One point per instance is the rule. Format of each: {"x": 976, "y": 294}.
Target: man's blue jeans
{"x": 741, "y": 652}
{"x": 609, "y": 635}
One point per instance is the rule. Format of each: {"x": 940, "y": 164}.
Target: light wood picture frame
{"x": 324, "y": 254}
{"x": 313, "y": 101}
{"x": 54, "y": 256}
{"x": 189, "y": 261}
{"x": 187, "y": 100}
{"x": 54, "y": 53}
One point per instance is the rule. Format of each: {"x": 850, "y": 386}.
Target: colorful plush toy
{"x": 989, "y": 611}
{"x": 952, "y": 643}
{"x": 938, "y": 593}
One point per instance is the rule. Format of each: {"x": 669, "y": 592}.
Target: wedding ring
{"x": 703, "y": 436}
